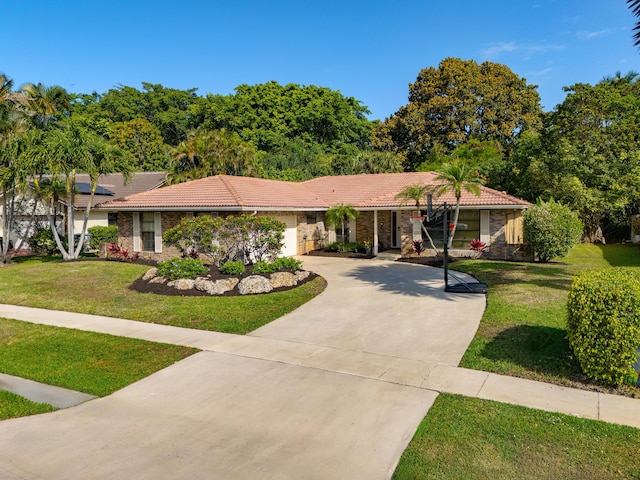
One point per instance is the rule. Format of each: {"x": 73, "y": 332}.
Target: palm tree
{"x": 211, "y": 152}
{"x": 62, "y": 152}
{"x": 457, "y": 176}
{"x": 416, "y": 193}
{"x": 44, "y": 103}
{"x": 634, "y": 5}
{"x": 338, "y": 215}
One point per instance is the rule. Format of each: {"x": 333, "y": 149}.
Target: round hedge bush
{"x": 604, "y": 324}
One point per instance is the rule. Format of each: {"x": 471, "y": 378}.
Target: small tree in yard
{"x": 339, "y": 215}
{"x": 551, "y": 229}
{"x": 248, "y": 238}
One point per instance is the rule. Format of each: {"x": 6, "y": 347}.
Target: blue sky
{"x": 370, "y": 50}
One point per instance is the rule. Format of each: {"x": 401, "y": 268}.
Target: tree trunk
{"x": 455, "y": 224}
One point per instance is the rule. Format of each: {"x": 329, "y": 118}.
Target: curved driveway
{"x": 333, "y": 390}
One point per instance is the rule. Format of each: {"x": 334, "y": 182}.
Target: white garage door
{"x": 290, "y": 246}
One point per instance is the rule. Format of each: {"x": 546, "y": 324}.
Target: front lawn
{"x": 468, "y": 438}
{"x": 101, "y": 288}
{"x": 523, "y": 330}
{"x": 88, "y": 362}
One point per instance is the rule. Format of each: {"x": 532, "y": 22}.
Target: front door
{"x": 396, "y": 229}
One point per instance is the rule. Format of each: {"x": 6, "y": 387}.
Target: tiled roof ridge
{"x": 232, "y": 190}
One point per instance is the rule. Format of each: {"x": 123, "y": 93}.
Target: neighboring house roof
{"x": 225, "y": 192}
{"x": 112, "y": 186}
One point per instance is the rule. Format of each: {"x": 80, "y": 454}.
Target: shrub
{"x": 418, "y": 246}
{"x": 232, "y": 267}
{"x": 343, "y": 247}
{"x": 42, "y": 242}
{"x": 100, "y": 234}
{"x": 477, "y": 246}
{"x": 116, "y": 251}
{"x": 181, "y": 268}
{"x": 604, "y": 323}
{"x": 551, "y": 229}
{"x": 288, "y": 263}
{"x": 277, "y": 265}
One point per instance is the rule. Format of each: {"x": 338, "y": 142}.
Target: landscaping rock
{"x": 254, "y": 284}
{"x": 151, "y": 273}
{"x": 221, "y": 286}
{"x": 302, "y": 275}
{"x": 202, "y": 283}
{"x": 283, "y": 279}
{"x": 161, "y": 280}
{"x": 182, "y": 284}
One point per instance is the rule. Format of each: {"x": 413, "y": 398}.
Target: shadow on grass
{"x": 538, "y": 349}
{"x": 502, "y": 273}
{"x": 621, "y": 255}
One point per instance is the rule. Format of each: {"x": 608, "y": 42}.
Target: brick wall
{"x": 498, "y": 248}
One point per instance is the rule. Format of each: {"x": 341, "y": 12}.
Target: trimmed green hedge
{"x": 232, "y": 267}
{"x": 100, "y": 234}
{"x": 604, "y": 323}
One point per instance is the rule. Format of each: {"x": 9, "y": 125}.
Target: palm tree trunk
{"x": 455, "y": 224}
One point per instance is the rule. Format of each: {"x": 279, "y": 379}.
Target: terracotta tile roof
{"x": 246, "y": 193}
{"x": 227, "y": 192}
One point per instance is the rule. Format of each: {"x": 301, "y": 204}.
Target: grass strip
{"x": 463, "y": 438}
{"x": 88, "y": 362}
{"x": 12, "y": 405}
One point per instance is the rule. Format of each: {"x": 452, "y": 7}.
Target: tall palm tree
{"x": 416, "y": 193}
{"x": 338, "y": 215}
{"x": 457, "y": 176}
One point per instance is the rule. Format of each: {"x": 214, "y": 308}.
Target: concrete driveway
{"x": 331, "y": 391}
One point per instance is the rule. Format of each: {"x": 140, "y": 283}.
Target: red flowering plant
{"x": 477, "y": 247}
{"x": 116, "y": 252}
{"x": 418, "y": 246}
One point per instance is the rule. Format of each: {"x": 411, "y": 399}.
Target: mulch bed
{"x": 214, "y": 274}
{"x": 322, "y": 253}
{"x": 431, "y": 261}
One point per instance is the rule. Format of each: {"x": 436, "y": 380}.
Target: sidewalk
{"x": 441, "y": 378}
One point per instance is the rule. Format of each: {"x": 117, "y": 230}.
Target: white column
{"x": 375, "y": 233}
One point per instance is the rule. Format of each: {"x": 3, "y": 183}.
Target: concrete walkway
{"x": 333, "y": 390}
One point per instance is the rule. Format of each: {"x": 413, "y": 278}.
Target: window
{"x": 311, "y": 218}
{"x": 147, "y": 231}
{"x": 112, "y": 218}
{"x": 514, "y": 233}
{"x": 468, "y": 228}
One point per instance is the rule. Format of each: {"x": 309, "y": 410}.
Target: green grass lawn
{"x": 89, "y": 362}
{"x": 101, "y": 288}
{"x": 12, "y": 406}
{"x": 523, "y": 330}
{"x": 467, "y": 438}
{"x": 84, "y": 361}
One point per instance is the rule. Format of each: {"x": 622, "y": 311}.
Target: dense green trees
{"x": 456, "y": 102}
{"x": 588, "y": 155}
{"x": 270, "y": 115}
{"x": 585, "y": 152}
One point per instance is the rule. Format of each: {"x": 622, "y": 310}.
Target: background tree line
{"x": 584, "y": 153}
